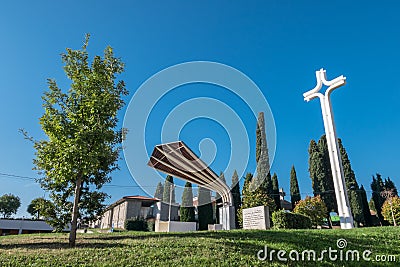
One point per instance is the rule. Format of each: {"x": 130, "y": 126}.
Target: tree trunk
{"x": 75, "y": 212}
{"x": 329, "y": 221}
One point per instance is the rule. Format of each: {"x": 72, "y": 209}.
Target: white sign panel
{"x": 256, "y": 218}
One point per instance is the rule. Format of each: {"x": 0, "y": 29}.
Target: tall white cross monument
{"x": 346, "y": 218}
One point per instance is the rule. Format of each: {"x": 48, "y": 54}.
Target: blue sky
{"x": 277, "y": 44}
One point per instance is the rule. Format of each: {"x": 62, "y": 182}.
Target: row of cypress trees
{"x": 322, "y": 181}
{"x": 322, "y": 184}
{"x": 378, "y": 186}
{"x": 263, "y": 189}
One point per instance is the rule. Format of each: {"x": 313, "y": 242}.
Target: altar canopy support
{"x": 346, "y": 218}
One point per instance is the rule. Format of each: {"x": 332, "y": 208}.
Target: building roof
{"x": 141, "y": 198}
{"x": 178, "y": 160}
{"x": 146, "y": 201}
{"x": 25, "y": 225}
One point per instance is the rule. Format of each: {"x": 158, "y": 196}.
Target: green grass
{"x": 223, "y": 248}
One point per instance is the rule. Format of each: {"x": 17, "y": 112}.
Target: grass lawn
{"x": 223, "y": 248}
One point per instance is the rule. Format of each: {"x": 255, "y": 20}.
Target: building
{"x": 286, "y": 205}
{"x": 21, "y": 226}
{"x": 127, "y": 207}
{"x": 213, "y": 203}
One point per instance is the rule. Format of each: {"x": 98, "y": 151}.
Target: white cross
{"x": 346, "y": 218}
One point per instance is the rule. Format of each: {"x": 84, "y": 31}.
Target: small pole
{"x": 171, "y": 188}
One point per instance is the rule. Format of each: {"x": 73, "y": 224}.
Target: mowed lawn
{"x": 222, "y": 248}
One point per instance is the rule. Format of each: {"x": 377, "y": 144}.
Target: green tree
{"x": 169, "y": 182}
{"x": 275, "y": 192}
{"x": 246, "y": 194}
{"x": 390, "y": 186}
{"x": 9, "y": 204}
{"x": 159, "y": 191}
{"x": 294, "y": 188}
{"x": 254, "y": 197}
{"x": 353, "y": 191}
{"x": 187, "y": 209}
{"x": 263, "y": 166}
{"x": 365, "y": 207}
{"x": 83, "y": 143}
{"x": 371, "y": 204}
{"x": 54, "y": 215}
{"x": 313, "y": 207}
{"x": 377, "y": 187}
{"x": 391, "y": 210}
{"x": 259, "y": 191}
{"x": 321, "y": 178}
{"x": 34, "y": 207}
{"x": 204, "y": 208}
{"x": 327, "y": 187}
{"x": 246, "y": 185}
{"x": 237, "y": 201}
{"x": 258, "y": 142}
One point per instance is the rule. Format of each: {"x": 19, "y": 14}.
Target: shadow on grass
{"x": 62, "y": 245}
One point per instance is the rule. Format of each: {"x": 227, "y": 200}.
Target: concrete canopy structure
{"x": 178, "y": 160}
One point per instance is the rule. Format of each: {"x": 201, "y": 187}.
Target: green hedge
{"x": 136, "y": 224}
{"x": 289, "y": 220}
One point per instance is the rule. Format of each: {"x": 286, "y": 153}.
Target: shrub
{"x": 151, "y": 225}
{"x": 313, "y": 207}
{"x": 136, "y": 224}
{"x": 289, "y": 220}
{"x": 390, "y": 209}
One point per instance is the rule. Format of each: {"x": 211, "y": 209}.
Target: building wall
{"x": 20, "y": 226}
{"x": 133, "y": 208}
{"x": 119, "y": 215}
{"x": 106, "y": 220}
{"x": 130, "y": 208}
{"x": 164, "y": 212}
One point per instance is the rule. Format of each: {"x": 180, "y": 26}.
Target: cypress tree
{"x": 159, "y": 191}
{"x": 326, "y": 179}
{"x": 204, "y": 208}
{"x": 246, "y": 195}
{"x": 261, "y": 141}
{"x": 320, "y": 178}
{"x": 354, "y": 193}
{"x": 390, "y": 186}
{"x": 365, "y": 207}
{"x": 258, "y": 142}
{"x": 235, "y": 190}
{"x": 169, "y": 181}
{"x": 187, "y": 208}
{"x": 275, "y": 192}
{"x": 246, "y": 185}
{"x": 371, "y": 204}
{"x": 263, "y": 179}
{"x": 294, "y": 188}
{"x": 218, "y": 198}
{"x": 268, "y": 186}
{"x": 314, "y": 166}
{"x": 377, "y": 187}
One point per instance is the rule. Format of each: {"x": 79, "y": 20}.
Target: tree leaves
{"x": 83, "y": 143}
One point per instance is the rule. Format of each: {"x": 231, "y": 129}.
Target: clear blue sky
{"x": 278, "y": 44}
